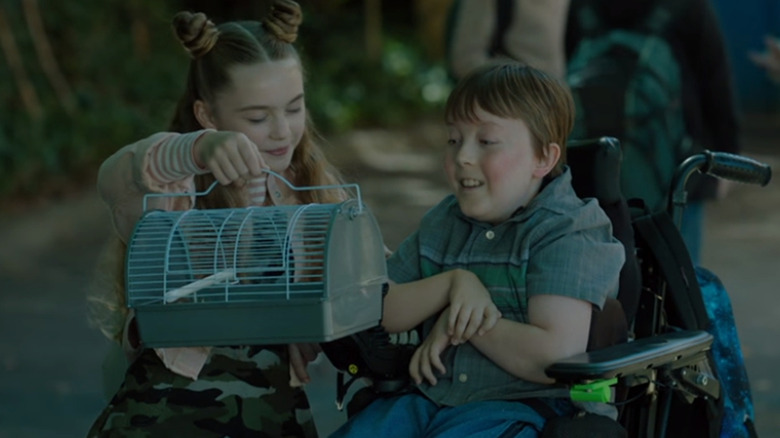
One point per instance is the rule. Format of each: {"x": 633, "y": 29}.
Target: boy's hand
{"x": 230, "y": 156}
{"x": 472, "y": 310}
{"x": 428, "y": 354}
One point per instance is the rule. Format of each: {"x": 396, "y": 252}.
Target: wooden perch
{"x": 189, "y": 289}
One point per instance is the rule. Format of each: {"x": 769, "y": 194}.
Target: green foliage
{"x": 347, "y": 89}
{"x": 125, "y": 72}
{"x": 119, "y": 90}
{"x": 400, "y": 87}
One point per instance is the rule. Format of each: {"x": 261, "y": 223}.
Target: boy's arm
{"x": 558, "y": 328}
{"x": 407, "y": 305}
{"x": 575, "y": 265}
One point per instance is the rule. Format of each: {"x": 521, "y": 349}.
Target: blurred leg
{"x": 402, "y": 416}
{"x": 486, "y": 419}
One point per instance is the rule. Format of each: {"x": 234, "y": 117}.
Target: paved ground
{"x": 50, "y": 366}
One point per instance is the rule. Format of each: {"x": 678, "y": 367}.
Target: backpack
{"x": 627, "y": 83}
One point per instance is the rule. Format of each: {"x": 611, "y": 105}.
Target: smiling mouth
{"x": 468, "y": 183}
{"x": 277, "y": 152}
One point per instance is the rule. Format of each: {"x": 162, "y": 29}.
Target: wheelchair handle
{"x": 720, "y": 164}
{"x": 737, "y": 168}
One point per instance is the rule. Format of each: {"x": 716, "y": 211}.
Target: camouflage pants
{"x": 241, "y": 391}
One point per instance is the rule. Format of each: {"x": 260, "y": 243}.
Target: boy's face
{"x": 492, "y": 166}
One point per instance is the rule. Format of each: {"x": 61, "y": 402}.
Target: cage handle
{"x": 280, "y": 177}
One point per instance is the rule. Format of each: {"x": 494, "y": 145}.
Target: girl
{"x": 243, "y": 110}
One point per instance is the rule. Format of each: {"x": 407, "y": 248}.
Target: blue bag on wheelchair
{"x": 738, "y": 415}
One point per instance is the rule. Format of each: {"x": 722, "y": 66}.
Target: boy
{"x": 514, "y": 225}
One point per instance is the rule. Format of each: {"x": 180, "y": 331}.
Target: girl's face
{"x": 492, "y": 166}
{"x": 265, "y": 102}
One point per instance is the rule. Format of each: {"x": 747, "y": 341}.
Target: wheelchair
{"x": 647, "y": 355}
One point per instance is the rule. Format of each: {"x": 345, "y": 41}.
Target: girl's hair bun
{"x": 196, "y": 32}
{"x": 283, "y": 20}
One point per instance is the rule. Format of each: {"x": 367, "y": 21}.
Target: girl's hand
{"x": 300, "y": 356}
{"x": 230, "y": 156}
{"x": 472, "y": 310}
{"x": 428, "y": 354}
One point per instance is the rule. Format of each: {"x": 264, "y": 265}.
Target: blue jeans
{"x": 414, "y": 415}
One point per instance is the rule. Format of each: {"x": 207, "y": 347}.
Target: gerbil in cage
{"x": 256, "y": 275}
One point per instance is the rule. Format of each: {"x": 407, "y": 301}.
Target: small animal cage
{"x": 255, "y": 275}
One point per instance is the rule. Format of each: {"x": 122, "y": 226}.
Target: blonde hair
{"x": 513, "y": 90}
{"x": 213, "y": 50}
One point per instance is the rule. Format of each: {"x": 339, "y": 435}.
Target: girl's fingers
{"x": 231, "y": 157}
{"x": 251, "y": 158}
{"x": 222, "y": 163}
{"x": 241, "y": 169}
{"x": 234, "y": 155}
{"x": 298, "y": 364}
{"x": 220, "y": 176}
{"x": 309, "y": 351}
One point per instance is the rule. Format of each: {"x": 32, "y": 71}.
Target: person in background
{"x": 532, "y": 33}
{"x": 708, "y": 97}
{"x": 243, "y": 110}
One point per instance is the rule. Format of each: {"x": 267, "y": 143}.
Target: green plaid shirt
{"x": 559, "y": 244}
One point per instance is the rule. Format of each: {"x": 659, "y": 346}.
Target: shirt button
{"x": 490, "y": 235}
{"x": 463, "y": 377}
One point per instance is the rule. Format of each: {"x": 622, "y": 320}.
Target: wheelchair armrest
{"x": 631, "y": 357}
